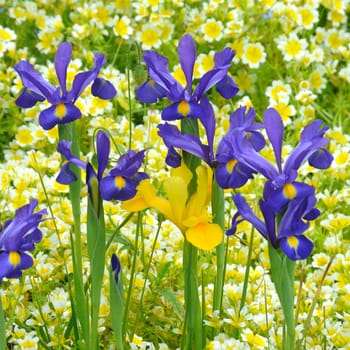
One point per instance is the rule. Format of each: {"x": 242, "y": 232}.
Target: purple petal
{"x": 28, "y": 98}
{"x": 93, "y": 188}
{"x": 58, "y": 114}
{"x": 111, "y": 189}
{"x": 227, "y": 87}
{"x": 115, "y": 263}
{"x": 246, "y": 212}
{"x": 103, "y": 88}
{"x": 62, "y": 59}
{"x": 66, "y": 176}
{"x": 274, "y": 129}
{"x": 150, "y": 92}
{"x": 208, "y": 80}
{"x": 187, "y": 56}
{"x": 239, "y": 175}
{"x": 103, "y": 149}
{"x": 33, "y": 80}
{"x": 224, "y": 57}
{"x": 296, "y": 247}
{"x": 83, "y": 79}
{"x": 173, "y": 159}
{"x": 182, "y": 109}
{"x": 321, "y": 159}
{"x": 172, "y": 137}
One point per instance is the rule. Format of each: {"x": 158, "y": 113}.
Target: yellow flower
{"x": 190, "y": 216}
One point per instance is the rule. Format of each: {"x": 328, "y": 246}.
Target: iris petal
{"x": 28, "y": 98}
{"x": 62, "y": 59}
{"x": 296, "y": 247}
{"x": 103, "y": 89}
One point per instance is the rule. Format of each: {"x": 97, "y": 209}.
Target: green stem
{"x": 2, "y": 328}
{"x": 218, "y": 208}
{"x": 68, "y": 132}
{"x": 193, "y": 320}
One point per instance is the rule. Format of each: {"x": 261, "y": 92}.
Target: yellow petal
{"x": 176, "y": 190}
{"x": 205, "y": 236}
{"x": 183, "y": 172}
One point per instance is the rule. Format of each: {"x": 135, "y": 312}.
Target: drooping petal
{"x": 103, "y": 89}
{"x": 12, "y": 264}
{"x": 58, "y": 114}
{"x": 28, "y": 98}
{"x": 172, "y": 137}
{"x": 66, "y": 176}
{"x": 182, "y": 109}
{"x": 173, "y": 159}
{"x": 321, "y": 159}
{"x": 205, "y": 236}
{"x": 232, "y": 174}
{"x": 296, "y": 247}
{"x": 246, "y": 212}
{"x": 33, "y": 80}
{"x": 150, "y": 92}
{"x": 117, "y": 188}
{"x": 227, "y": 88}
{"x": 102, "y": 150}
{"x": 62, "y": 59}
{"x": 187, "y": 56}
{"x": 274, "y": 129}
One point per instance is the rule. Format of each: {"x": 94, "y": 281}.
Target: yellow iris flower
{"x": 190, "y": 216}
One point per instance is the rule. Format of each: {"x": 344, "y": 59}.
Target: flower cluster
{"x": 287, "y": 205}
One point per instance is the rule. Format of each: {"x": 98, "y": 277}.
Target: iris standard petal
{"x": 58, "y": 114}
{"x": 208, "y": 80}
{"x": 296, "y": 247}
{"x": 128, "y": 163}
{"x": 28, "y": 98}
{"x": 62, "y": 59}
{"x": 274, "y": 129}
{"x": 103, "y": 88}
{"x": 187, "y": 56}
{"x": 102, "y": 150}
{"x": 224, "y": 57}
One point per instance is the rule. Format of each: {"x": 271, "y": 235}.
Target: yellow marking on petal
{"x": 119, "y": 182}
{"x": 183, "y": 108}
{"x": 289, "y": 191}
{"x": 14, "y": 259}
{"x": 60, "y": 110}
{"x": 230, "y": 165}
{"x": 293, "y": 242}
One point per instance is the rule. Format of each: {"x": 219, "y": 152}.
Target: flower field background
{"x": 291, "y": 55}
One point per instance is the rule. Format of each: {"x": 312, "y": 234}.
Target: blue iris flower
{"x": 63, "y": 110}
{"x": 281, "y": 186}
{"x": 286, "y": 232}
{"x": 119, "y": 183}
{"x": 17, "y": 237}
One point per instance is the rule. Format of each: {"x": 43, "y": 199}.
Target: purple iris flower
{"x": 119, "y": 183}
{"x": 63, "y": 110}
{"x": 115, "y": 264}
{"x": 286, "y": 232}
{"x": 281, "y": 186}
{"x": 186, "y": 102}
{"x": 229, "y": 172}
{"x": 17, "y": 237}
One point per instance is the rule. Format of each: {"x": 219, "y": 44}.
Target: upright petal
{"x": 102, "y": 149}
{"x": 274, "y": 129}
{"x": 187, "y": 56}
{"x": 62, "y": 59}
